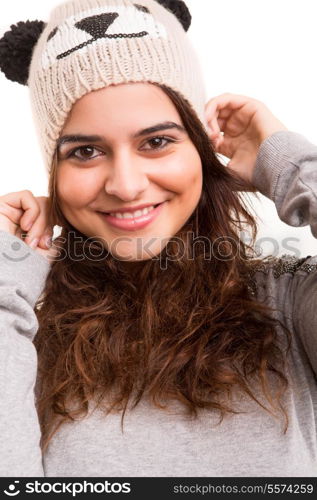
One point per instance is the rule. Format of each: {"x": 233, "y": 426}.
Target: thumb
{"x": 52, "y": 253}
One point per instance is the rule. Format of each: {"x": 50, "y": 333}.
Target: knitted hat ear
{"x": 16, "y": 48}
{"x": 180, "y": 9}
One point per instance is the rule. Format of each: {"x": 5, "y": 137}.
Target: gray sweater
{"x": 164, "y": 443}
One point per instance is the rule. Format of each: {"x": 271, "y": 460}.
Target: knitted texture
{"x": 90, "y": 44}
{"x": 16, "y": 47}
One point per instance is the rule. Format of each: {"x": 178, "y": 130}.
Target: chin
{"x": 138, "y": 251}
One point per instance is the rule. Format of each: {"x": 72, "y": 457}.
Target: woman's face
{"x": 121, "y": 164}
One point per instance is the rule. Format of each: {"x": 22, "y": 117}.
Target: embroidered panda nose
{"x": 97, "y": 27}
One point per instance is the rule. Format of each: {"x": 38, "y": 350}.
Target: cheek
{"x": 76, "y": 187}
{"x": 186, "y": 172}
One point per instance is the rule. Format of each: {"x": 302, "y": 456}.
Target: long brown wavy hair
{"x": 186, "y": 328}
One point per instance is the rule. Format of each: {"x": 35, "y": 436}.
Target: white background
{"x": 262, "y": 49}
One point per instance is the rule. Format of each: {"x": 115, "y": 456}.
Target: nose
{"x": 97, "y": 26}
{"x": 127, "y": 180}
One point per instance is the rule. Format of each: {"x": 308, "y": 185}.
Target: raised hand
{"x": 21, "y": 212}
{"x": 245, "y": 123}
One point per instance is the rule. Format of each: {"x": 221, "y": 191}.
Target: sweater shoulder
{"x": 277, "y": 269}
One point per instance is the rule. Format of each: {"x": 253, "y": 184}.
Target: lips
{"x": 136, "y": 223}
{"x": 131, "y": 210}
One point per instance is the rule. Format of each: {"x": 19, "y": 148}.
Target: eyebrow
{"x": 77, "y": 138}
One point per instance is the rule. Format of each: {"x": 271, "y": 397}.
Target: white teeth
{"x": 138, "y": 213}
{"x": 130, "y": 215}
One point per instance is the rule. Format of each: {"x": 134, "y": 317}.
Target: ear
{"x": 16, "y": 48}
{"x": 180, "y": 10}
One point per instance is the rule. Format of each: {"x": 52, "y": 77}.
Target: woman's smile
{"x": 132, "y": 221}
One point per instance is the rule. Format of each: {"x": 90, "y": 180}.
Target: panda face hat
{"x": 97, "y": 25}
{"x": 91, "y": 44}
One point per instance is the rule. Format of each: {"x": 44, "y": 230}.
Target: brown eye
{"x": 84, "y": 153}
{"x": 158, "y": 143}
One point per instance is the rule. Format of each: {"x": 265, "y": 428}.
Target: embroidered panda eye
{"x": 142, "y": 8}
{"x": 52, "y": 33}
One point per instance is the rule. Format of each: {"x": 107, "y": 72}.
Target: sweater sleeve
{"x": 22, "y": 278}
{"x": 286, "y": 172}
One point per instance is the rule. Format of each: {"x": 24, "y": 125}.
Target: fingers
{"x": 214, "y": 125}
{"x": 31, "y": 208}
{"x": 26, "y": 216}
{"x": 219, "y": 109}
{"x": 54, "y": 250}
{"x": 19, "y": 233}
{"x": 26, "y": 204}
{"x": 10, "y": 217}
{"x": 226, "y": 101}
{"x": 46, "y": 238}
{"x": 40, "y": 232}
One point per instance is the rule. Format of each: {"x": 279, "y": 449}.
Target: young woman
{"x": 153, "y": 343}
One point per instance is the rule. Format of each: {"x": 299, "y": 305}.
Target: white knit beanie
{"x": 90, "y": 44}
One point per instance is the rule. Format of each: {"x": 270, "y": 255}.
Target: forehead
{"x": 113, "y": 23}
{"x": 124, "y": 105}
